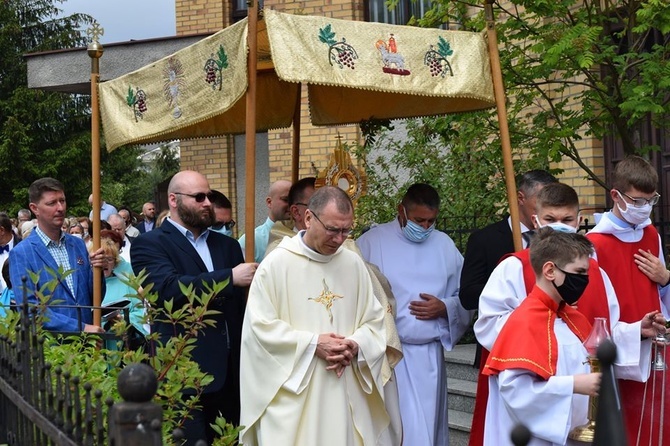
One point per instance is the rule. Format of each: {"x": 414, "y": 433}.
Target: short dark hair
{"x": 421, "y": 194}
{"x": 5, "y": 222}
{"x": 327, "y": 194}
{"x": 557, "y": 195}
{"x": 559, "y": 247}
{"x": 527, "y": 182}
{"x": 219, "y": 200}
{"x": 46, "y": 184}
{"x": 636, "y": 172}
{"x": 297, "y": 192}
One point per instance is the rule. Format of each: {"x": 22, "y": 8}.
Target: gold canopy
{"x": 354, "y": 70}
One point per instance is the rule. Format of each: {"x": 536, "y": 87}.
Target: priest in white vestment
{"x": 313, "y": 340}
{"x": 424, "y": 268}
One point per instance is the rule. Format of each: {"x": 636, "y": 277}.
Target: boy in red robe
{"x": 629, "y": 249}
{"x": 537, "y": 371}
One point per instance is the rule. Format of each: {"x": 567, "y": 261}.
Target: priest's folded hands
{"x": 337, "y": 351}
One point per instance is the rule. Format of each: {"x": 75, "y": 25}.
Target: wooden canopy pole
{"x": 250, "y": 132}
{"x": 295, "y": 148}
{"x": 95, "y": 51}
{"x": 499, "y": 91}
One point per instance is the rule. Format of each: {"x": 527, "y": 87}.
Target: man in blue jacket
{"x": 50, "y": 253}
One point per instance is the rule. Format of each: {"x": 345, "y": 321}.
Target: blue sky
{"x": 125, "y": 20}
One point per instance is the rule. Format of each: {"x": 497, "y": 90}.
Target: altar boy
{"x": 537, "y": 368}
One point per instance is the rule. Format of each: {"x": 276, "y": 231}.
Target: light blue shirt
{"x": 105, "y": 211}
{"x": 261, "y": 238}
{"x": 59, "y": 254}
{"x": 200, "y": 244}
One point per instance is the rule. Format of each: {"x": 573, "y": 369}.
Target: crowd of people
{"x": 322, "y": 339}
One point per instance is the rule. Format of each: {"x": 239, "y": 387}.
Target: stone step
{"x": 461, "y": 394}
{"x": 459, "y": 362}
{"x": 459, "y": 427}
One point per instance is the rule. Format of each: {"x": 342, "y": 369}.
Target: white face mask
{"x": 77, "y": 235}
{"x": 223, "y": 230}
{"x": 557, "y": 226}
{"x": 635, "y": 215}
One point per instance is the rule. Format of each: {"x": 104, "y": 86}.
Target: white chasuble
{"x": 287, "y": 395}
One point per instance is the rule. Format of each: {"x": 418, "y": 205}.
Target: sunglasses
{"x": 228, "y": 225}
{"x": 199, "y": 197}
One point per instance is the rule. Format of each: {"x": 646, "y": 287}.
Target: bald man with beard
{"x": 183, "y": 250}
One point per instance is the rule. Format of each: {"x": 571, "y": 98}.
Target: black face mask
{"x": 573, "y": 286}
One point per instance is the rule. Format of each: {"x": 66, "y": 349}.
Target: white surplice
{"x": 287, "y": 395}
{"x": 505, "y": 290}
{"x": 548, "y": 408}
{"x": 432, "y": 267}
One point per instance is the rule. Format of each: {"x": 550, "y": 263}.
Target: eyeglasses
{"x": 300, "y": 204}
{"x": 333, "y": 232}
{"x": 199, "y": 197}
{"x": 640, "y": 201}
{"x": 228, "y": 225}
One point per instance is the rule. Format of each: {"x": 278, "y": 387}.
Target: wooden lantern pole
{"x": 499, "y": 91}
{"x": 95, "y": 51}
{"x": 250, "y": 131}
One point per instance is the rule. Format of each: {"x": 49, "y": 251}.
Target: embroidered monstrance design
{"x": 326, "y": 298}
{"x": 173, "y": 84}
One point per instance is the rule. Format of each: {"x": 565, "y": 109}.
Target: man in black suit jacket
{"x": 149, "y": 214}
{"x": 482, "y": 254}
{"x": 182, "y": 250}
{"x": 486, "y": 246}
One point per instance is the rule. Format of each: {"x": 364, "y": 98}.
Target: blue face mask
{"x": 223, "y": 230}
{"x": 415, "y": 232}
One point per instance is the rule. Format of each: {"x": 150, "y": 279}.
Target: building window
{"x": 239, "y": 10}
{"x": 378, "y": 11}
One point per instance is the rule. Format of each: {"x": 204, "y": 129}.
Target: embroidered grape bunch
{"x": 339, "y": 52}
{"x": 346, "y": 58}
{"x": 435, "y": 67}
{"x": 436, "y": 58}
{"x": 214, "y": 67}
{"x": 142, "y": 105}
{"x": 137, "y": 101}
{"x": 210, "y": 76}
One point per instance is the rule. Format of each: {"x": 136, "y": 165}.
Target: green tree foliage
{"x": 442, "y": 152}
{"x": 575, "y": 69}
{"x": 572, "y": 69}
{"x": 41, "y": 133}
{"x": 49, "y": 133}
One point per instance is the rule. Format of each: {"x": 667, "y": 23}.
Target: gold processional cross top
{"x": 95, "y": 31}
